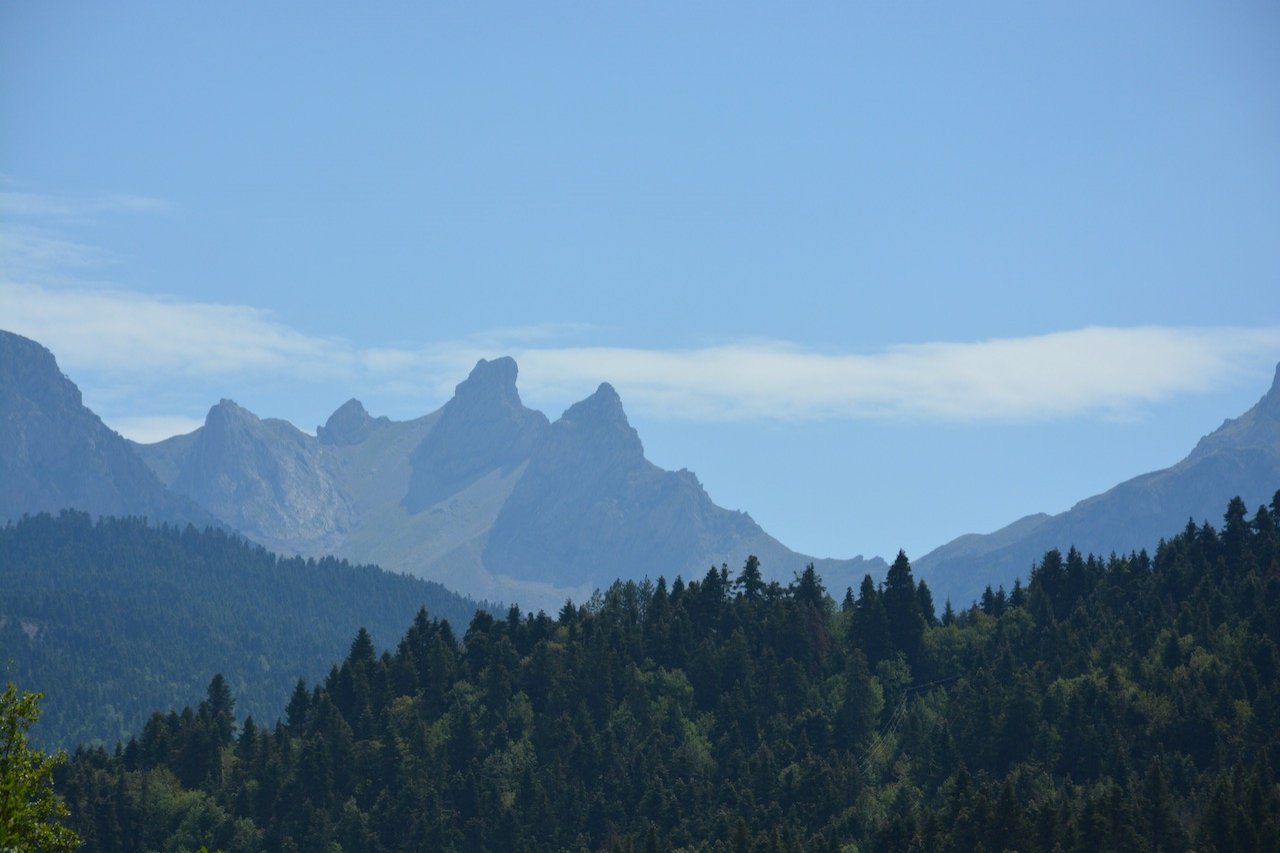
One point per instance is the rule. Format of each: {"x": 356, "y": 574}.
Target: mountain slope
{"x": 1242, "y": 457}
{"x": 114, "y": 618}
{"x": 265, "y": 478}
{"x": 574, "y": 514}
{"x": 57, "y": 454}
{"x": 483, "y": 428}
{"x": 484, "y": 495}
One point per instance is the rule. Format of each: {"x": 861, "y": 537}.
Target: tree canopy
{"x": 1127, "y": 702}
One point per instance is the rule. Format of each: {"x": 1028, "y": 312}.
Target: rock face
{"x": 349, "y": 425}
{"x": 589, "y": 501}
{"x": 56, "y": 454}
{"x": 483, "y": 428}
{"x": 265, "y": 478}
{"x": 1240, "y": 458}
{"x": 485, "y": 495}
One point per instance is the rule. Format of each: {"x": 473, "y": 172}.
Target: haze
{"x": 879, "y": 275}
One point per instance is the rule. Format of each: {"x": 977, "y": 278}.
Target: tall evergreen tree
{"x": 870, "y": 626}
{"x": 751, "y": 583}
{"x": 902, "y": 609}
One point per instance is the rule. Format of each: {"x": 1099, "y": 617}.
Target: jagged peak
{"x": 494, "y": 379}
{"x": 607, "y": 392}
{"x": 601, "y": 416}
{"x": 350, "y": 424}
{"x": 352, "y": 407}
{"x": 603, "y": 406}
{"x": 29, "y": 368}
{"x": 499, "y": 371}
{"x": 1255, "y": 428}
{"x": 228, "y": 411}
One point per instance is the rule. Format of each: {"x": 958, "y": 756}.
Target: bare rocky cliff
{"x": 265, "y": 478}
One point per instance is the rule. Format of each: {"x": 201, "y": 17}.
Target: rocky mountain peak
{"x": 56, "y": 454}
{"x": 606, "y": 401}
{"x": 29, "y": 371}
{"x": 490, "y": 381}
{"x": 601, "y": 422}
{"x": 349, "y": 424}
{"x": 228, "y": 412}
{"x": 1257, "y": 428}
{"x": 483, "y": 428}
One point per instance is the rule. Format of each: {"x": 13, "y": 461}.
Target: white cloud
{"x": 1109, "y": 372}
{"x": 1096, "y": 371}
{"x": 125, "y": 332}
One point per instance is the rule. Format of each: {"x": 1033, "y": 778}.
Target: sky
{"x": 880, "y": 274}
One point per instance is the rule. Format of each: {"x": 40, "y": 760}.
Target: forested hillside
{"x": 1122, "y": 704}
{"x": 114, "y": 618}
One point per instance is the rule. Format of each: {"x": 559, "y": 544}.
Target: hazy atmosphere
{"x": 880, "y": 276}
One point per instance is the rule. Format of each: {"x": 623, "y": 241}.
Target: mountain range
{"x": 495, "y": 500}
{"x": 484, "y": 495}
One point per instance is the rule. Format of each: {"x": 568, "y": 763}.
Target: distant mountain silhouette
{"x": 56, "y": 454}
{"x": 1240, "y": 458}
{"x": 490, "y": 498}
{"x": 484, "y": 495}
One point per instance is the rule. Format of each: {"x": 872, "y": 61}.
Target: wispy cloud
{"x": 1098, "y": 371}
{"x": 126, "y": 332}
{"x": 1094, "y": 372}
{"x": 33, "y": 232}
{"x": 72, "y": 208}
{"x": 135, "y": 341}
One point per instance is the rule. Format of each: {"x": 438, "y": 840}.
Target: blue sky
{"x": 881, "y": 274}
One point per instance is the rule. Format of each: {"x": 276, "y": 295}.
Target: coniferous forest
{"x": 1118, "y": 703}
{"x": 115, "y": 617}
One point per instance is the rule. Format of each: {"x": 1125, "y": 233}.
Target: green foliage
{"x": 30, "y": 809}
{"x": 113, "y": 618}
{"x": 1129, "y": 703}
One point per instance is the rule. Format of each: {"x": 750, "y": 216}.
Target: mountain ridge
{"x": 56, "y": 453}
{"x": 1239, "y": 458}
{"x": 484, "y": 495}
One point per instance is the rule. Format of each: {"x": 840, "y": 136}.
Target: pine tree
{"x": 870, "y": 628}
{"x": 902, "y": 608}
{"x": 750, "y": 582}
{"x": 299, "y": 708}
{"x": 220, "y": 708}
